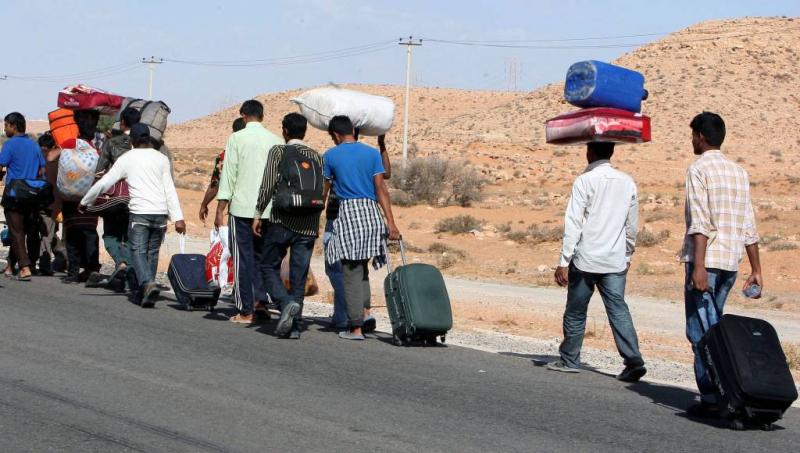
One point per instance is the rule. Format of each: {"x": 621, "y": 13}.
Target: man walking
{"x": 153, "y": 200}
{"x": 115, "y": 227}
{"x": 289, "y": 228}
{"x": 245, "y": 159}
{"x": 23, "y": 160}
{"x": 720, "y": 227}
{"x": 355, "y": 172}
{"x": 600, "y": 229}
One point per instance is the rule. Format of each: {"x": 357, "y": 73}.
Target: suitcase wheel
{"x": 189, "y": 308}
{"x": 768, "y": 427}
{"x": 443, "y": 339}
{"x": 737, "y": 425}
{"x": 397, "y": 340}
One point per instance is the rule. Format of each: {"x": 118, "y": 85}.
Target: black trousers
{"x": 83, "y": 250}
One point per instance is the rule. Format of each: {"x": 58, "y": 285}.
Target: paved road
{"x": 84, "y": 370}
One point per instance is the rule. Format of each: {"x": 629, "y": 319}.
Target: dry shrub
{"x": 444, "y": 249}
{"x": 503, "y": 228}
{"x": 458, "y": 225}
{"x": 646, "y": 238}
{"x": 657, "y": 216}
{"x": 782, "y": 245}
{"x": 538, "y": 234}
{"x": 446, "y": 261}
{"x": 437, "y": 181}
{"x": 517, "y": 236}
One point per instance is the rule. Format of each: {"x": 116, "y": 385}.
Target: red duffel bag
{"x": 82, "y": 97}
{"x": 598, "y": 125}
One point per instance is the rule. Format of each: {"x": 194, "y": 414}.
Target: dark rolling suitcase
{"x": 187, "y": 275}
{"x": 748, "y": 367}
{"x": 417, "y": 301}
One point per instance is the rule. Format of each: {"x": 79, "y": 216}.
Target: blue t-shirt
{"x": 22, "y": 157}
{"x": 351, "y": 167}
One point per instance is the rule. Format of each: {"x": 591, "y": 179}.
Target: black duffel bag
{"x": 27, "y": 194}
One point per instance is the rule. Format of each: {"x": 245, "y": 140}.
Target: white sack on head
{"x": 370, "y": 114}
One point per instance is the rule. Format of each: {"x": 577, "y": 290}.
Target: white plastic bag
{"x": 370, "y": 114}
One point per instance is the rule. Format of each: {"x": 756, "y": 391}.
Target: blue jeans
{"x": 703, "y": 310}
{"x": 336, "y": 276}
{"x": 146, "y": 233}
{"x": 612, "y": 290}
{"x": 278, "y": 240}
{"x": 246, "y": 250}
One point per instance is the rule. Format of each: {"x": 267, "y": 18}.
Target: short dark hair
{"x": 341, "y": 125}
{"x": 238, "y": 124}
{"x": 17, "y": 120}
{"x": 46, "y": 141}
{"x": 295, "y": 125}
{"x": 130, "y": 116}
{"x": 711, "y": 126}
{"x": 87, "y": 123}
{"x": 252, "y": 109}
{"x": 603, "y": 150}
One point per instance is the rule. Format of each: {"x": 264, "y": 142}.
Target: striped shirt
{"x": 307, "y": 224}
{"x": 718, "y": 206}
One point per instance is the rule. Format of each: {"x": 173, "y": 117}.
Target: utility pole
{"x": 409, "y": 43}
{"x": 151, "y": 66}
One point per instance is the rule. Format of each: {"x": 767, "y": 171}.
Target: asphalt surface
{"x": 86, "y": 370}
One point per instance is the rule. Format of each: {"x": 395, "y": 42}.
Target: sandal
{"x": 241, "y": 319}
{"x": 21, "y": 278}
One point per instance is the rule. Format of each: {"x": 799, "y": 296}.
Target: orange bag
{"x": 62, "y": 125}
{"x": 311, "y": 283}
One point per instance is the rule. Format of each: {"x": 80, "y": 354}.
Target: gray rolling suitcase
{"x": 418, "y": 303}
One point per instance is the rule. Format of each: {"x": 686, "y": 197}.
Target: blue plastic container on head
{"x": 597, "y": 84}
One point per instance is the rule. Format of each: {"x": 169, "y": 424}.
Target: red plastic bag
{"x": 598, "y": 125}
{"x": 82, "y": 97}
{"x": 219, "y": 262}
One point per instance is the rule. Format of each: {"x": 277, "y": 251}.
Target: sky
{"x": 102, "y": 44}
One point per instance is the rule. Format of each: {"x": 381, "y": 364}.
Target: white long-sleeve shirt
{"x": 601, "y": 221}
{"x": 150, "y": 184}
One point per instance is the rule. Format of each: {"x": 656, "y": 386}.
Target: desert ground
{"x": 744, "y": 69}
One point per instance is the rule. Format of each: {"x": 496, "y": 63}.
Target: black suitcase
{"x": 418, "y": 303}
{"x": 187, "y": 274}
{"x": 749, "y": 370}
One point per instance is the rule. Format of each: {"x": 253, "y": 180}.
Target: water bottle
{"x": 752, "y": 291}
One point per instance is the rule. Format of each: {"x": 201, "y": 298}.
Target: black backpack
{"x": 299, "y": 187}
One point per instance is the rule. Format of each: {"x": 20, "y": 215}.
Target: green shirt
{"x": 245, "y": 159}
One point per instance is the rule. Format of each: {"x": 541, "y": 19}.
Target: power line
{"x": 297, "y": 59}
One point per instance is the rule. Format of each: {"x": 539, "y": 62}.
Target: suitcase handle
{"x": 388, "y": 254}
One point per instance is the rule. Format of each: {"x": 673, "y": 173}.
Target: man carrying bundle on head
{"x": 600, "y": 228}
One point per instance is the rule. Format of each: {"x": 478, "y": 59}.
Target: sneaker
{"x": 703, "y": 410}
{"x": 369, "y": 325}
{"x": 632, "y": 373}
{"x": 559, "y": 365}
{"x": 350, "y": 336}
{"x": 96, "y": 280}
{"x": 287, "y": 317}
{"x": 70, "y": 279}
{"x": 294, "y": 335}
{"x": 117, "y": 280}
{"x": 150, "y": 293}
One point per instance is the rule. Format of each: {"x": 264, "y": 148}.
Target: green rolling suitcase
{"x": 417, "y": 301}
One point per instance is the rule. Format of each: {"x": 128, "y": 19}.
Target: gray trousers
{"x": 356, "y": 290}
